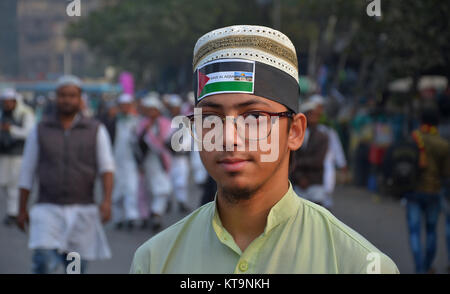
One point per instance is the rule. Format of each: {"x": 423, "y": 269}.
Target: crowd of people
{"x": 64, "y": 152}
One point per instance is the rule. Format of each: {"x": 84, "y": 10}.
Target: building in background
{"x": 32, "y": 41}
{"x": 9, "y": 58}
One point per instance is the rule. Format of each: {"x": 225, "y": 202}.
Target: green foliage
{"x": 155, "y": 39}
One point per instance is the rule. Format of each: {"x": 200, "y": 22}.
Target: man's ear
{"x": 297, "y": 131}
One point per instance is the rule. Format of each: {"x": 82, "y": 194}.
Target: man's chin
{"x": 237, "y": 188}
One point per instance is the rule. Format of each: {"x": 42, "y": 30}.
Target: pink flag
{"x": 127, "y": 82}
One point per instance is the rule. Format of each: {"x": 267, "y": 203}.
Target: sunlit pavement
{"x": 380, "y": 219}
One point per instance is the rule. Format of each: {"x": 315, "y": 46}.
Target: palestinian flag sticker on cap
{"x": 225, "y": 76}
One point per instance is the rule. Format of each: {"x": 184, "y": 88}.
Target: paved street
{"x": 380, "y": 219}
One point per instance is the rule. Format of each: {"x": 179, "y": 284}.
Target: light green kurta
{"x": 300, "y": 237}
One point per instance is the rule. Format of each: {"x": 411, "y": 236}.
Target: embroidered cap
{"x": 247, "y": 59}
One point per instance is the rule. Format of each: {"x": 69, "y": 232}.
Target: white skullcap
{"x": 175, "y": 100}
{"x": 307, "y": 106}
{"x": 125, "y": 98}
{"x": 191, "y": 97}
{"x": 317, "y": 99}
{"x": 152, "y": 100}
{"x": 8, "y": 93}
{"x": 251, "y": 42}
{"x": 68, "y": 80}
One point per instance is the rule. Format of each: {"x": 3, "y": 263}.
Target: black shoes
{"x": 9, "y": 220}
{"x": 128, "y": 225}
{"x": 156, "y": 222}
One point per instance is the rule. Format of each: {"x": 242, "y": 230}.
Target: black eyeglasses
{"x": 252, "y": 125}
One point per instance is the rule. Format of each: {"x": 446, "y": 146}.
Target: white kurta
{"x": 68, "y": 228}
{"x": 9, "y": 176}
{"x": 335, "y": 157}
{"x": 126, "y": 180}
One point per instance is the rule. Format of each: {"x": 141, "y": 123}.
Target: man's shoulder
{"x": 350, "y": 248}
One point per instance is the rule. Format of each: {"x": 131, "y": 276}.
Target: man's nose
{"x": 231, "y": 140}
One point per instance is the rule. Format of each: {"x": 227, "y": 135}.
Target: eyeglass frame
{"x": 288, "y": 114}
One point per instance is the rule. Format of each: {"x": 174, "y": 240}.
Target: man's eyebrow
{"x": 210, "y": 104}
{"x": 251, "y": 102}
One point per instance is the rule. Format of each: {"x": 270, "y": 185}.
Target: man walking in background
{"x": 154, "y": 134}
{"x": 308, "y": 170}
{"x": 425, "y": 201}
{"x": 179, "y": 171}
{"x": 335, "y": 157}
{"x": 66, "y": 151}
{"x": 16, "y": 121}
{"x": 125, "y": 193}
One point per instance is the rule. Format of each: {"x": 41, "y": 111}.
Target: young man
{"x": 257, "y": 224}
{"x": 66, "y": 151}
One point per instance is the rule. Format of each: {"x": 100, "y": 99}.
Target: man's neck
{"x": 246, "y": 220}
{"x": 67, "y": 120}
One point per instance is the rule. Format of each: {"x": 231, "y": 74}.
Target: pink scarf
{"x": 156, "y": 141}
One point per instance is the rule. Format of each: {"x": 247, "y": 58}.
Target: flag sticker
{"x": 225, "y": 76}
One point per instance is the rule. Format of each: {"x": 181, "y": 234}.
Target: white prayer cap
{"x": 307, "y": 106}
{"x": 152, "y": 101}
{"x": 125, "y": 98}
{"x": 317, "y": 99}
{"x": 256, "y": 43}
{"x": 8, "y": 93}
{"x": 191, "y": 97}
{"x": 175, "y": 100}
{"x": 68, "y": 80}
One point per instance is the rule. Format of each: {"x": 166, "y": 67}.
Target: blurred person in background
{"x": 179, "y": 171}
{"x": 108, "y": 116}
{"x": 335, "y": 156}
{"x": 424, "y": 202}
{"x": 199, "y": 173}
{"x": 187, "y": 107}
{"x": 16, "y": 121}
{"x": 153, "y": 134}
{"x": 86, "y": 109}
{"x": 125, "y": 193}
{"x": 308, "y": 170}
{"x": 361, "y": 136}
{"x": 444, "y": 131}
{"x": 65, "y": 152}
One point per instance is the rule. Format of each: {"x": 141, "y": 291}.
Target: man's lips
{"x": 233, "y": 164}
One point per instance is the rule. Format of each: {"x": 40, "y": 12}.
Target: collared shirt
{"x": 299, "y": 237}
{"x": 105, "y": 158}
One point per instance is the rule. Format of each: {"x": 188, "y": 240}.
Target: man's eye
{"x": 253, "y": 115}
